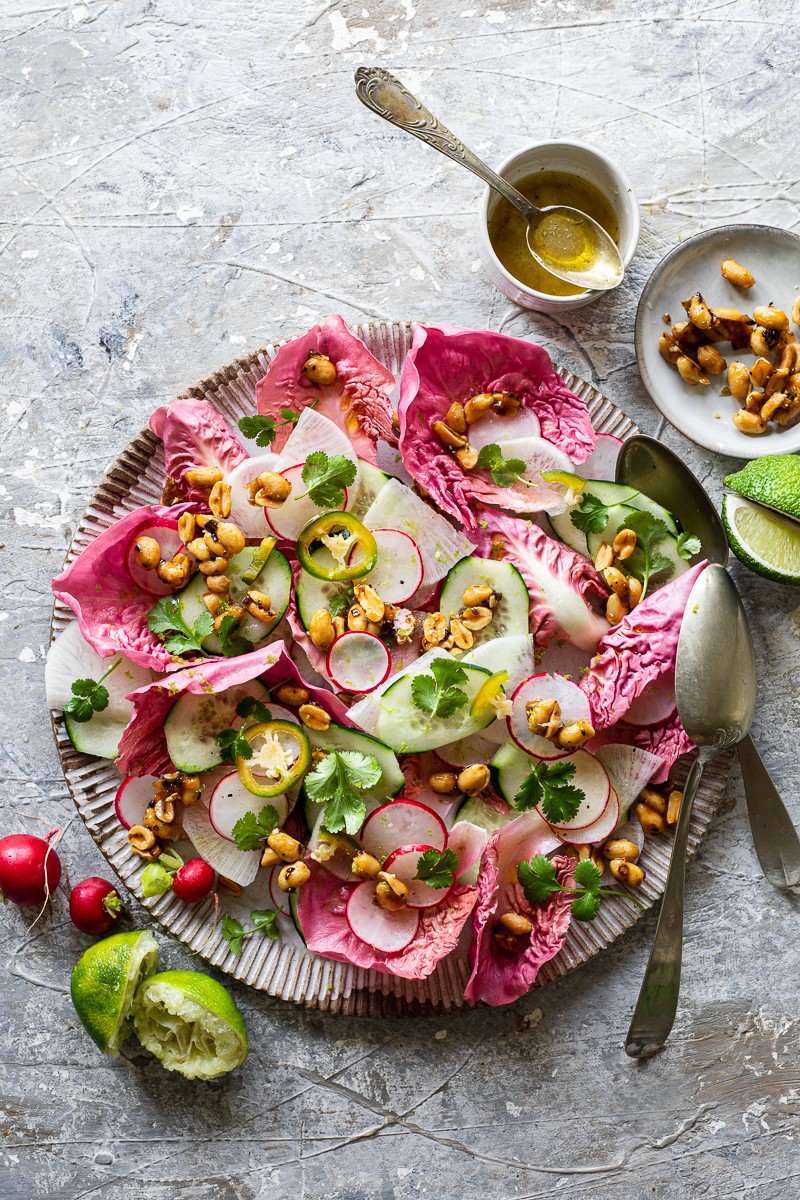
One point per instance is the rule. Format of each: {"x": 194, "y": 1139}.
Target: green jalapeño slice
{"x": 336, "y": 547}
{"x": 281, "y": 756}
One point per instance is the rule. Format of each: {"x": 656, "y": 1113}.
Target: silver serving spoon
{"x": 556, "y": 235}
{"x": 715, "y": 691}
{"x": 655, "y": 470}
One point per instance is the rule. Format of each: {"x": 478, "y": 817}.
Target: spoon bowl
{"x": 566, "y": 242}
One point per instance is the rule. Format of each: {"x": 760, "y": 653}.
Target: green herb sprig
{"x": 539, "y": 881}
{"x": 437, "y": 694}
{"x": 250, "y": 832}
{"x": 505, "y": 472}
{"x": 88, "y": 696}
{"x": 166, "y": 619}
{"x": 437, "y": 868}
{"x": 233, "y": 743}
{"x": 264, "y": 920}
{"x": 265, "y": 429}
{"x": 338, "y": 782}
{"x": 548, "y": 786}
{"x": 326, "y": 477}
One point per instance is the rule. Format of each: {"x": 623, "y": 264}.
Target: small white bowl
{"x": 587, "y": 163}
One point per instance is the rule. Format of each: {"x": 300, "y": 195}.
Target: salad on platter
{"x": 403, "y": 711}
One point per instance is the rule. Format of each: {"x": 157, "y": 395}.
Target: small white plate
{"x": 773, "y": 256}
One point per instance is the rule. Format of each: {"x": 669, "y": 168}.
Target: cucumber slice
{"x": 511, "y": 614}
{"x": 275, "y": 580}
{"x": 565, "y": 531}
{"x": 295, "y": 917}
{"x": 311, "y": 594}
{"x": 337, "y": 737}
{"x": 645, "y": 504}
{"x": 408, "y": 730}
{"x": 510, "y": 768}
{"x": 371, "y": 481}
{"x": 483, "y": 815}
{"x": 100, "y": 736}
{"x": 193, "y": 722}
{"x": 609, "y": 493}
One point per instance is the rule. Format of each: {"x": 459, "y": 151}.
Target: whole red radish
{"x": 193, "y": 881}
{"x": 94, "y": 905}
{"x": 24, "y": 877}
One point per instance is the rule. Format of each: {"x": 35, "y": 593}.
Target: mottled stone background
{"x": 182, "y": 182}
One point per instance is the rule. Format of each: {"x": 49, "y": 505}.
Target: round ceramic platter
{"x": 773, "y": 256}
{"x": 284, "y": 968}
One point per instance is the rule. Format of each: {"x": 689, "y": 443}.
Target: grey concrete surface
{"x": 182, "y": 182}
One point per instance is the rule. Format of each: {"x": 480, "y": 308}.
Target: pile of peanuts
{"x": 368, "y": 613}
{"x": 455, "y": 632}
{"x": 453, "y": 431}
{"x": 544, "y": 719}
{"x": 161, "y": 823}
{"x": 767, "y": 391}
{"x": 626, "y": 590}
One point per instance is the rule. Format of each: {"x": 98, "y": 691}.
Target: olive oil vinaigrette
{"x": 507, "y": 227}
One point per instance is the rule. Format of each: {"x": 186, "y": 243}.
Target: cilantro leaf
{"x": 88, "y": 696}
{"x": 233, "y": 744}
{"x": 688, "y": 546}
{"x": 264, "y": 920}
{"x": 325, "y": 478}
{"x": 232, "y": 646}
{"x": 341, "y": 601}
{"x": 290, "y": 417}
{"x": 645, "y": 562}
{"x": 505, "y": 472}
{"x": 437, "y": 693}
{"x": 548, "y": 785}
{"x": 251, "y": 830}
{"x": 591, "y": 515}
{"x": 166, "y": 619}
{"x": 538, "y": 879}
{"x": 254, "y": 709}
{"x": 337, "y": 782}
{"x": 437, "y": 867}
{"x": 261, "y": 428}
{"x": 233, "y": 932}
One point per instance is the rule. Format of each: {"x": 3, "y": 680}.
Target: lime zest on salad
{"x": 337, "y": 782}
{"x": 548, "y": 786}
{"x": 539, "y": 882}
{"x": 437, "y": 694}
{"x": 89, "y": 696}
{"x": 437, "y": 868}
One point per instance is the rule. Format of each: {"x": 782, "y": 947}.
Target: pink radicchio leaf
{"x": 499, "y": 976}
{"x": 195, "y": 435}
{"x": 111, "y": 606}
{"x": 637, "y": 651}
{"x": 563, "y": 585}
{"x": 357, "y": 401}
{"x": 321, "y": 907}
{"x": 143, "y": 748}
{"x": 447, "y": 364}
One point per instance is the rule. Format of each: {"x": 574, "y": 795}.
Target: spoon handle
{"x": 386, "y": 96}
{"x": 655, "y": 1010}
{"x": 774, "y": 836}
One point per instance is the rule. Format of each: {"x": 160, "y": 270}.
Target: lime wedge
{"x": 773, "y": 481}
{"x": 104, "y": 984}
{"x": 573, "y": 482}
{"x": 190, "y": 1023}
{"x": 765, "y": 542}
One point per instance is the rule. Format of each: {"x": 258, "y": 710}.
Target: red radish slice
{"x": 223, "y": 855}
{"x": 656, "y": 703}
{"x": 170, "y": 543}
{"x": 134, "y": 795}
{"x": 599, "y": 830}
{"x": 279, "y": 898}
{"x": 389, "y": 932}
{"x": 358, "y": 662}
{"x": 249, "y": 517}
{"x": 230, "y": 800}
{"x": 441, "y": 805}
{"x": 602, "y": 462}
{"x": 574, "y": 707}
{"x": 592, "y": 779}
{"x": 629, "y": 770}
{"x": 403, "y": 863}
{"x": 287, "y": 521}
{"x": 397, "y": 575}
{"x": 493, "y": 429}
{"x": 402, "y": 823}
{"x": 467, "y": 750}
